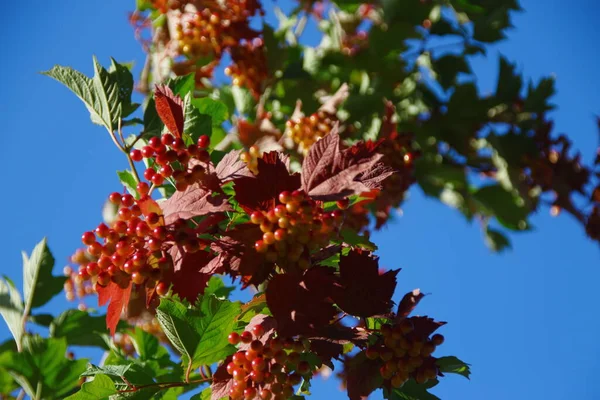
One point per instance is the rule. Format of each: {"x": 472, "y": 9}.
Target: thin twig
{"x": 127, "y": 154}
{"x": 164, "y": 385}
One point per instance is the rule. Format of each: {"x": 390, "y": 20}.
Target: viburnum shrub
{"x": 263, "y": 159}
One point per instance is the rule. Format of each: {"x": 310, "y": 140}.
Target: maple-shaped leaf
{"x": 222, "y": 381}
{"x": 196, "y": 200}
{"x": 118, "y": 297}
{"x": 363, "y": 291}
{"x": 170, "y": 109}
{"x": 408, "y": 303}
{"x": 231, "y": 167}
{"x": 189, "y": 278}
{"x": 361, "y": 376}
{"x": 425, "y": 326}
{"x": 260, "y": 192}
{"x": 330, "y": 172}
{"x": 236, "y": 248}
{"x": 297, "y": 310}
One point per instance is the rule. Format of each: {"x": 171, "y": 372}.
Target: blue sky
{"x": 526, "y": 320}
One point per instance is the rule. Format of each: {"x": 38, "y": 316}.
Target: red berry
{"x": 203, "y": 141}
{"x": 261, "y": 246}
{"x": 234, "y": 338}
{"x": 92, "y": 269}
{"x": 154, "y": 142}
{"x": 136, "y": 155}
{"x": 95, "y": 249}
{"x": 250, "y": 393}
{"x": 167, "y": 139}
{"x": 162, "y": 288}
{"x": 257, "y": 217}
{"x": 157, "y": 179}
{"x": 246, "y": 337}
{"x": 258, "y": 330}
{"x": 285, "y": 197}
{"x": 147, "y": 151}
{"x": 437, "y": 339}
{"x": 143, "y": 188}
{"x": 266, "y": 394}
{"x": 166, "y": 171}
{"x": 115, "y": 198}
{"x": 88, "y": 238}
{"x": 149, "y": 173}
{"x": 103, "y": 279}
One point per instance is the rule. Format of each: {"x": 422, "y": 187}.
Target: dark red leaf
{"x": 332, "y": 173}
{"x": 363, "y": 291}
{"x": 222, "y": 381}
{"x": 240, "y": 258}
{"x": 361, "y": 376}
{"x": 194, "y": 201}
{"x": 118, "y": 297}
{"x": 170, "y": 109}
{"x": 231, "y": 167}
{"x": 408, "y": 303}
{"x": 260, "y": 192}
{"x": 268, "y": 324}
{"x": 425, "y": 326}
{"x": 189, "y": 278}
{"x": 298, "y": 311}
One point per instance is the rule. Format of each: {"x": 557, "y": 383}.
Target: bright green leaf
{"x": 453, "y": 365}
{"x": 11, "y": 308}
{"x": 39, "y": 285}
{"x": 128, "y": 180}
{"x": 101, "y": 387}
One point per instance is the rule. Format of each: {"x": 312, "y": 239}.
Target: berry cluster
{"x": 249, "y": 66}
{"x": 305, "y": 131}
{"x": 250, "y": 157}
{"x": 267, "y": 371}
{"x": 405, "y": 354}
{"x": 201, "y": 33}
{"x": 293, "y": 229}
{"x": 174, "y": 160}
{"x": 75, "y": 286}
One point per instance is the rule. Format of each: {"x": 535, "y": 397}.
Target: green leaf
{"x": 199, "y": 334}
{"x": 42, "y": 319}
{"x": 101, "y": 387}
{"x": 448, "y": 67}
{"x": 42, "y": 368}
{"x": 509, "y": 82}
{"x": 453, "y": 365}
{"x": 195, "y": 123}
{"x": 537, "y": 96}
{"x": 217, "y": 110}
{"x": 496, "y": 241}
{"x": 79, "y": 328}
{"x": 128, "y": 180}
{"x": 508, "y": 208}
{"x": 352, "y": 238}
{"x": 203, "y": 395}
{"x": 243, "y": 100}
{"x": 411, "y": 391}
{"x": 39, "y": 285}
{"x": 147, "y": 345}
{"x": 107, "y": 95}
{"x": 217, "y": 287}
{"x": 11, "y": 308}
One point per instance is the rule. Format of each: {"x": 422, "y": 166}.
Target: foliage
{"x": 276, "y": 179}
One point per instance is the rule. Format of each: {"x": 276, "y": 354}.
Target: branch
{"x": 124, "y": 150}
{"x": 164, "y": 385}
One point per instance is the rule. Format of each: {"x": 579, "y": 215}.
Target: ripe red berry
{"x": 437, "y": 339}
{"x": 257, "y": 217}
{"x": 157, "y": 179}
{"x": 162, "y": 288}
{"x": 266, "y": 394}
{"x": 203, "y": 141}
{"x": 88, "y": 238}
{"x": 154, "y": 142}
{"x": 167, "y": 139}
{"x": 250, "y": 393}
{"x": 246, "y": 337}
{"x": 136, "y": 155}
{"x": 143, "y": 188}
{"x": 258, "y": 330}
{"x": 103, "y": 279}
{"x": 233, "y": 338}
{"x": 147, "y": 151}
{"x": 115, "y": 198}
{"x": 260, "y": 246}
{"x": 285, "y": 197}
{"x": 149, "y": 173}
{"x": 92, "y": 269}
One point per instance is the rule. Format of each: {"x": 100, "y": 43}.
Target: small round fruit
{"x": 234, "y": 338}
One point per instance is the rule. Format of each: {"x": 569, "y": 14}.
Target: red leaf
{"x": 408, "y": 303}
{"x": 237, "y": 249}
{"x": 148, "y": 205}
{"x": 297, "y": 310}
{"x": 363, "y": 291}
{"x": 332, "y": 173}
{"x": 194, "y": 201}
{"x": 260, "y": 192}
{"x": 118, "y": 297}
{"x": 170, "y": 109}
{"x": 268, "y": 324}
{"x": 425, "y": 326}
{"x": 231, "y": 167}
{"x": 361, "y": 376}
{"x": 189, "y": 278}
{"x": 222, "y": 381}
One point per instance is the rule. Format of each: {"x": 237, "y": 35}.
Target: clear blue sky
{"x": 526, "y": 320}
